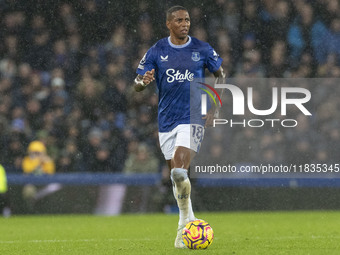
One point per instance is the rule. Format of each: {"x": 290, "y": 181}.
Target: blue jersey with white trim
{"x": 175, "y": 67}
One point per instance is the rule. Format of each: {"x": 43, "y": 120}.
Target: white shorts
{"x": 186, "y": 135}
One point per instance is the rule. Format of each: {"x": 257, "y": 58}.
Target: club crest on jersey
{"x": 164, "y": 59}
{"x": 195, "y": 56}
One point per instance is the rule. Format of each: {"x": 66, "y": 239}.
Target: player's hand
{"x": 209, "y": 119}
{"x": 149, "y": 77}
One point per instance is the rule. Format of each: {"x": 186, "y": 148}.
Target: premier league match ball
{"x": 197, "y": 235}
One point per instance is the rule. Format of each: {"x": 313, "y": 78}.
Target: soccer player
{"x": 174, "y": 62}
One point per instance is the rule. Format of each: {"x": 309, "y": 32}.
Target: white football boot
{"x": 179, "y": 244}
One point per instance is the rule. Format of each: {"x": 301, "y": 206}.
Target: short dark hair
{"x": 174, "y": 9}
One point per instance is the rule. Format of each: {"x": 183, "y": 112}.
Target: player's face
{"x": 179, "y": 25}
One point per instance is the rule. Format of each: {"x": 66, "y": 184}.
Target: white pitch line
{"x": 71, "y": 241}
{"x": 47, "y": 241}
{"x": 150, "y": 239}
{"x": 290, "y": 237}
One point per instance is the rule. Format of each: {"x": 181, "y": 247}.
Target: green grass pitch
{"x": 302, "y": 232}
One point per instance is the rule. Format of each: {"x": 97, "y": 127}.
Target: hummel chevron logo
{"x": 163, "y": 59}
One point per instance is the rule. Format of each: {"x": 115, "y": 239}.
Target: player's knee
{"x": 182, "y": 157}
{"x": 179, "y": 174}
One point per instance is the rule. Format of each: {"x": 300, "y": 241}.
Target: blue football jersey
{"x": 175, "y": 67}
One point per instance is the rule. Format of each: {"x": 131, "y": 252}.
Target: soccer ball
{"x": 197, "y": 234}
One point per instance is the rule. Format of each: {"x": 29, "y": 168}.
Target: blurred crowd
{"x": 67, "y": 71}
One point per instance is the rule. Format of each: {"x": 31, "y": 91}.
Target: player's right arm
{"x": 142, "y": 81}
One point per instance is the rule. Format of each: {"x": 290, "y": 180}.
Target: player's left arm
{"x": 214, "y": 110}
{"x": 219, "y": 75}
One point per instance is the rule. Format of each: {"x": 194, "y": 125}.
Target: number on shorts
{"x": 197, "y": 133}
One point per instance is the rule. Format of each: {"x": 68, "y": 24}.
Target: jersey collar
{"x": 179, "y": 46}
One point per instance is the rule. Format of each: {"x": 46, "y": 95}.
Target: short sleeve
{"x": 146, "y": 63}
{"x": 214, "y": 60}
